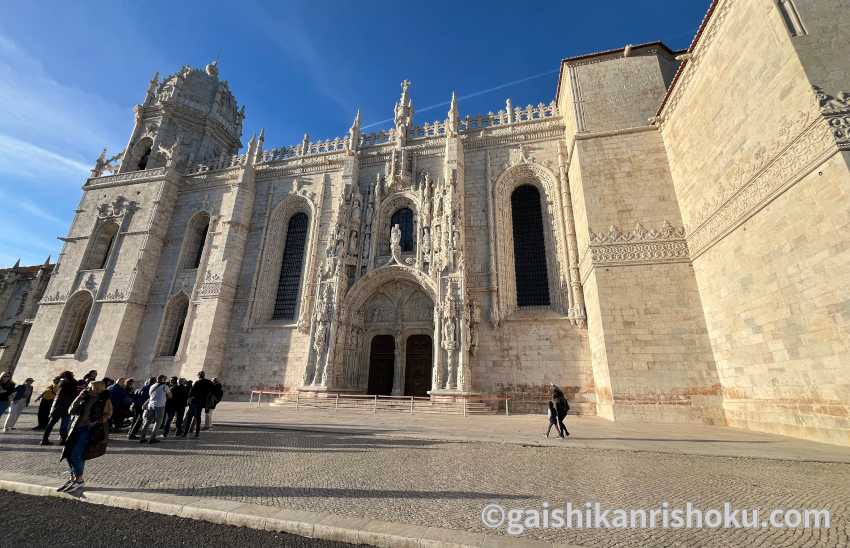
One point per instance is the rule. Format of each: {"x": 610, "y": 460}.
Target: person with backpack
{"x": 154, "y": 410}
{"x": 89, "y": 433}
{"x": 559, "y": 401}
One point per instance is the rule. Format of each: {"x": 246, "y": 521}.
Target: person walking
{"x": 175, "y": 408}
{"x": 89, "y": 433}
{"x": 121, "y": 402}
{"x": 216, "y": 394}
{"x": 552, "y": 413}
{"x": 198, "y": 395}
{"x": 21, "y": 399}
{"x": 7, "y": 391}
{"x": 561, "y": 408}
{"x": 140, "y": 398}
{"x": 155, "y": 409}
{"x": 65, "y": 395}
{"x": 45, "y": 400}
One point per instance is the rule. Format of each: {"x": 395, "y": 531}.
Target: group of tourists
{"x": 87, "y": 410}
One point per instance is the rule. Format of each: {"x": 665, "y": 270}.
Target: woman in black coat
{"x": 561, "y": 407}
{"x": 89, "y": 433}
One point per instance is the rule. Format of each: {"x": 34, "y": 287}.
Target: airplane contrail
{"x": 473, "y": 94}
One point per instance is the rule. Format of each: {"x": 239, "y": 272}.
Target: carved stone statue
{"x": 352, "y": 243}
{"x": 395, "y": 243}
{"x": 356, "y": 210}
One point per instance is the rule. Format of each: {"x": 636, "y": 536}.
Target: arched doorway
{"x": 381, "y": 365}
{"x": 417, "y": 369}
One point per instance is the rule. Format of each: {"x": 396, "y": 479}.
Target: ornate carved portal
{"x": 379, "y": 358}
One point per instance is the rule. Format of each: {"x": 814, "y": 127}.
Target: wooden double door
{"x": 418, "y": 360}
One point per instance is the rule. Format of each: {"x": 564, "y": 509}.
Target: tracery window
{"x": 532, "y": 283}
{"x": 404, "y": 219}
{"x": 292, "y": 265}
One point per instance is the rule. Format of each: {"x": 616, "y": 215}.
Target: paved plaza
{"x": 421, "y": 471}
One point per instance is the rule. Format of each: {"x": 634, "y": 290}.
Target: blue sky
{"x": 70, "y": 73}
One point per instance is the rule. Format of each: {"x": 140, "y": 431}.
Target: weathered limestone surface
{"x": 686, "y": 229}
{"x": 763, "y": 189}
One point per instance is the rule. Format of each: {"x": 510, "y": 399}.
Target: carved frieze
{"x": 639, "y": 245}
{"x": 799, "y": 147}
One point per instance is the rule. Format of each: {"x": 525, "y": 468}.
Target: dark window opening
{"x": 291, "y": 266}
{"x": 404, "y": 219}
{"x": 196, "y": 262}
{"x": 532, "y": 283}
{"x": 143, "y": 161}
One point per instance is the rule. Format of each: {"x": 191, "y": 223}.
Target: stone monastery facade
{"x": 667, "y": 240}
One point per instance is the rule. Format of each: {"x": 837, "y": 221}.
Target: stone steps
{"x": 370, "y": 404}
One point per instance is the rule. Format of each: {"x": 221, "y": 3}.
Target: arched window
{"x": 72, "y": 324}
{"x": 404, "y": 219}
{"x": 101, "y": 246}
{"x": 532, "y": 284}
{"x": 172, "y": 325}
{"x": 143, "y": 161}
{"x": 196, "y": 235}
{"x": 289, "y": 283}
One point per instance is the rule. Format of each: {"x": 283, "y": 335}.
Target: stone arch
{"x": 172, "y": 330}
{"x": 271, "y": 257}
{"x": 100, "y": 246}
{"x": 389, "y": 205}
{"x": 141, "y": 154}
{"x": 545, "y": 182}
{"x": 368, "y": 284}
{"x": 194, "y": 239}
{"x": 72, "y": 324}
{"x": 356, "y": 330}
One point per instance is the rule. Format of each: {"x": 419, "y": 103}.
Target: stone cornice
{"x": 639, "y": 246}
{"x": 144, "y": 176}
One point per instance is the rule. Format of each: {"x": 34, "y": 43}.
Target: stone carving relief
{"x": 802, "y": 141}
{"x": 637, "y": 246}
{"x": 118, "y": 208}
{"x": 836, "y": 110}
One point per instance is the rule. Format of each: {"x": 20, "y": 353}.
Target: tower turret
{"x": 194, "y": 105}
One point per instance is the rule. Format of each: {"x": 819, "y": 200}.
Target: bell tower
{"x": 188, "y": 117}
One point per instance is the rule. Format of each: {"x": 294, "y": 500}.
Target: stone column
{"x": 398, "y": 364}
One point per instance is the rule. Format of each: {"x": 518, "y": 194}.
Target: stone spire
{"x": 403, "y": 112}
{"x": 354, "y": 134}
{"x": 260, "y": 142}
{"x": 454, "y": 118}
{"x": 151, "y": 93}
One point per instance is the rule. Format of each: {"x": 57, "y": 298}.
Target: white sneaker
{"x": 76, "y": 487}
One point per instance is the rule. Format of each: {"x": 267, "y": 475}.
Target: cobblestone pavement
{"x": 26, "y": 519}
{"x": 447, "y": 483}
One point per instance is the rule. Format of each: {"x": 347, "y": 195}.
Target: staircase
{"x": 390, "y": 404}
